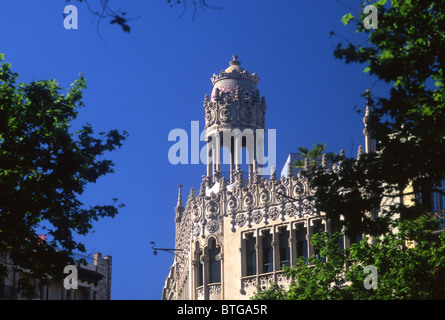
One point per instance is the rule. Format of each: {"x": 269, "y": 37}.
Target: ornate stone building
{"x": 94, "y": 281}
{"x": 240, "y": 228}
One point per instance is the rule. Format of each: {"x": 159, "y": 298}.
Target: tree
{"x": 314, "y": 155}
{"x": 409, "y": 264}
{"x": 407, "y": 52}
{"x": 390, "y": 188}
{"x": 44, "y": 168}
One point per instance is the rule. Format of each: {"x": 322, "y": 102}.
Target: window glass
{"x": 250, "y": 255}
{"x": 284, "y": 248}
{"x": 267, "y": 253}
{"x": 215, "y": 263}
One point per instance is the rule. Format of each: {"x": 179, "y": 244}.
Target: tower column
{"x": 233, "y": 114}
{"x": 216, "y": 156}
{"x": 209, "y": 160}
{"x": 232, "y": 162}
{"x": 238, "y": 145}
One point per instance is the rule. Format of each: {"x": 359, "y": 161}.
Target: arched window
{"x": 199, "y": 266}
{"x": 318, "y": 228}
{"x": 267, "y": 252}
{"x": 215, "y": 263}
{"x": 337, "y": 228}
{"x": 301, "y": 242}
{"x": 284, "y": 247}
{"x": 250, "y": 255}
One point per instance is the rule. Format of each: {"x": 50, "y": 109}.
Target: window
{"x": 284, "y": 248}
{"x": 437, "y": 199}
{"x": 336, "y": 228}
{"x": 215, "y": 263}
{"x": 199, "y": 266}
{"x": 250, "y": 255}
{"x": 267, "y": 252}
{"x": 301, "y": 242}
{"x": 434, "y": 201}
{"x": 318, "y": 228}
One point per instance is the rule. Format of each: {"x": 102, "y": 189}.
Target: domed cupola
{"x": 234, "y": 76}
{"x": 235, "y": 101}
{"x": 233, "y": 115}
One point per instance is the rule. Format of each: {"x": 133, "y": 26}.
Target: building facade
{"x": 237, "y": 232}
{"x": 93, "y": 282}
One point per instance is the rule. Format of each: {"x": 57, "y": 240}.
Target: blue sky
{"x": 154, "y": 79}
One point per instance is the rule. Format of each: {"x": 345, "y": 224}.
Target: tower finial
{"x": 359, "y": 152}
{"x": 235, "y": 60}
{"x": 202, "y": 190}
{"x": 324, "y": 161}
{"x": 179, "y": 209}
{"x": 192, "y": 194}
{"x": 273, "y": 173}
{"x": 179, "y": 204}
{"x": 290, "y": 168}
{"x": 368, "y": 105}
{"x": 369, "y": 141}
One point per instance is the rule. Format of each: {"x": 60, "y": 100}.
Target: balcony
{"x": 263, "y": 281}
{"x": 213, "y": 289}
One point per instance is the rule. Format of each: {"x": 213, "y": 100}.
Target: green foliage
{"x": 406, "y": 51}
{"x": 314, "y": 155}
{"x": 347, "y": 18}
{"x": 410, "y": 264}
{"x": 274, "y": 292}
{"x": 44, "y": 168}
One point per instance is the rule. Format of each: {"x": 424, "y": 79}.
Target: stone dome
{"x": 234, "y": 76}
{"x": 235, "y": 102}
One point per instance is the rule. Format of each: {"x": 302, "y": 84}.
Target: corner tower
{"x": 234, "y": 116}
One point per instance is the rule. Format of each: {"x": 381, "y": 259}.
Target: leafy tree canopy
{"x": 44, "y": 169}
{"x": 314, "y": 156}
{"x": 386, "y": 193}
{"x": 409, "y": 264}
{"x": 407, "y": 52}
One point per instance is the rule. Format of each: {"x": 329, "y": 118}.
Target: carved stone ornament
{"x": 212, "y": 209}
{"x": 215, "y": 289}
{"x": 212, "y": 226}
{"x": 306, "y": 207}
{"x": 210, "y": 118}
{"x": 274, "y": 212}
{"x": 298, "y": 190}
{"x": 249, "y": 282}
{"x": 248, "y": 201}
{"x": 264, "y": 197}
{"x": 231, "y": 204}
{"x": 196, "y": 230}
{"x": 240, "y": 220}
{"x": 225, "y": 114}
{"x": 290, "y": 209}
{"x": 257, "y": 216}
